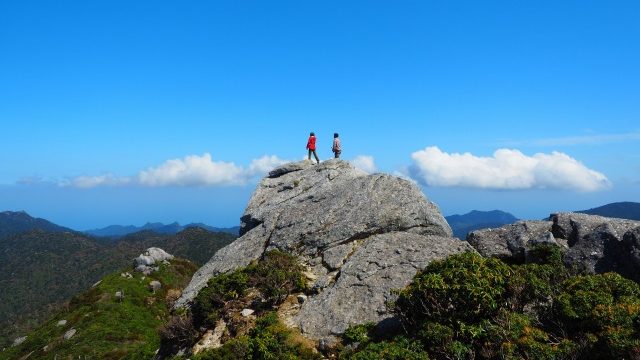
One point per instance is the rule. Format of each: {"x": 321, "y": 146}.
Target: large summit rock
{"x": 360, "y": 236}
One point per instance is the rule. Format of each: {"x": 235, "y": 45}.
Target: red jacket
{"x": 311, "y": 144}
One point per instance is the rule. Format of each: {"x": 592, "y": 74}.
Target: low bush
{"x": 399, "y": 348}
{"x": 269, "y": 340}
{"x": 275, "y": 276}
{"x": 470, "y": 307}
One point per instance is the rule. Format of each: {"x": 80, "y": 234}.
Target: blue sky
{"x": 94, "y": 94}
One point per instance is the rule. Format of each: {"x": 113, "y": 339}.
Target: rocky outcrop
{"x": 362, "y": 288}
{"x": 359, "y": 235}
{"x": 592, "y": 243}
{"x": 596, "y": 243}
{"x": 148, "y": 261}
{"x": 511, "y": 241}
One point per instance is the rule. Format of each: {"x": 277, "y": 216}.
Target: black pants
{"x": 337, "y": 154}
{"x": 314, "y": 154}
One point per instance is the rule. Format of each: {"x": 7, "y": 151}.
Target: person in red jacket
{"x": 311, "y": 146}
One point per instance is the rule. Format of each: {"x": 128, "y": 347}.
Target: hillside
{"x": 461, "y": 225}
{"x": 194, "y": 243}
{"x": 15, "y": 222}
{"x": 105, "y": 327}
{"x": 39, "y": 270}
{"x": 622, "y": 210}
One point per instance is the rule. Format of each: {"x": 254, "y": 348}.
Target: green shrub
{"x": 269, "y": 340}
{"x": 211, "y": 299}
{"x": 399, "y": 349}
{"x": 464, "y": 287}
{"x": 235, "y": 349}
{"x": 276, "y": 276}
{"x": 358, "y": 333}
{"x": 604, "y": 312}
{"x": 462, "y": 307}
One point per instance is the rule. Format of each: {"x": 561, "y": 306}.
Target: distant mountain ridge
{"x": 15, "y": 222}
{"x": 622, "y": 210}
{"x": 461, "y": 225}
{"x": 117, "y": 231}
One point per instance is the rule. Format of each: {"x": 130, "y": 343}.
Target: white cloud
{"x": 86, "y": 182}
{"x": 506, "y": 169}
{"x": 265, "y": 164}
{"x": 365, "y": 163}
{"x": 192, "y": 170}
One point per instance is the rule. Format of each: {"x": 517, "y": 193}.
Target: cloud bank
{"x": 192, "y": 170}
{"x": 506, "y": 169}
{"x": 365, "y": 163}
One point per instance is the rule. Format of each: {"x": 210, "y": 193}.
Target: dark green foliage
{"x": 109, "y": 328}
{"x": 269, "y": 340}
{"x": 605, "y": 311}
{"x": 276, "y": 276}
{"x": 469, "y": 307}
{"x": 178, "y": 333}
{"x": 399, "y": 349}
{"x": 358, "y": 333}
{"x": 209, "y": 303}
{"x": 465, "y": 287}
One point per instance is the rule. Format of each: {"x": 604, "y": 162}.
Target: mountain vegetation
{"x": 41, "y": 269}
{"x": 117, "y": 231}
{"x": 462, "y": 307}
{"x": 470, "y": 307}
{"x": 193, "y": 243}
{"x": 116, "y": 319}
{"x": 461, "y": 225}
{"x": 263, "y": 285}
{"x": 622, "y": 210}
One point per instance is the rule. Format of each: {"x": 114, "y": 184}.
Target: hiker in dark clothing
{"x": 337, "y": 147}
{"x": 311, "y": 146}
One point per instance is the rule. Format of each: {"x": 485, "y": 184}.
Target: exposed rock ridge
{"x": 360, "y": 236}
{"x": 592, "y": 243}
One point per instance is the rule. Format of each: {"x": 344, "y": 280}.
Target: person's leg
{"x": 309, "y": 154}
{"x": 338, "y": 154}
{"x": 316, "y": 156}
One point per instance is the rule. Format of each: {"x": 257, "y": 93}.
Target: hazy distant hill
{"x": 15, "y": 222}
{"x": 474, "y": 220}
{"x": 116, "y": 231}
{"x": 40, "y": 269}
{"x": 622, "y": 210}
